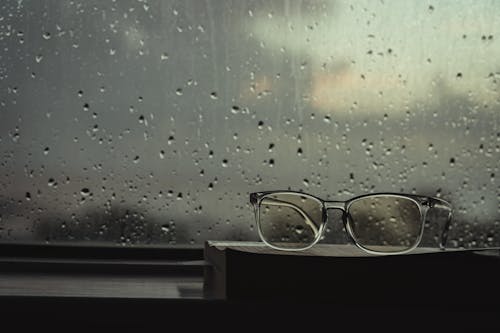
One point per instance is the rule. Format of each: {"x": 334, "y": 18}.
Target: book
{"x": 345, "y": 275}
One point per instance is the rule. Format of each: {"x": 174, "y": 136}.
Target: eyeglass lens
{"x": 385, "y": 223}
{"x": 290, "y": 221}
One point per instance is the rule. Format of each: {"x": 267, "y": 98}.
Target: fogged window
{"x": 149, "y": 122}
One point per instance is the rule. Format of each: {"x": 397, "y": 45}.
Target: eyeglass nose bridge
{"x": 340, "y": 205}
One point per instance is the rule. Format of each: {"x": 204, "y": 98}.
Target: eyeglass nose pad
{"x": 324, "y": 215}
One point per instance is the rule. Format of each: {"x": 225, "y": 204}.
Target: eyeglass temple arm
{"x": 442, "y": 204}
{"x": 274, "y": 202}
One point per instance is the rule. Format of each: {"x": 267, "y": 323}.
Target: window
{"x": 149, "y": 122}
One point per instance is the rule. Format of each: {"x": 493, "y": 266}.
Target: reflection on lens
{"x": 385, "y": 223}
{"x": 290, "y": 221}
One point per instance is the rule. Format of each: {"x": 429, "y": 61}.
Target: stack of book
{"x": 345, "y": 275}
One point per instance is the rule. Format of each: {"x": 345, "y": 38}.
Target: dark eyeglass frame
{"x": 424, "y": 203}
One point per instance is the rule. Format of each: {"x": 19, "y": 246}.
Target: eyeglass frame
{"x": 424, "y": 203}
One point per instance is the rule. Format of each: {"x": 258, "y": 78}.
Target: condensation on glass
{"x": 149, "y": 122}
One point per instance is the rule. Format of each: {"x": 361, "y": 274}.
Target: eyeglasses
{"x": 381, "y": 223}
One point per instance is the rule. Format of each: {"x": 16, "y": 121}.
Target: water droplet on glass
{"x": 179, "y": 92}
{"x": 38, "y": 58}
{"x": 165, "y": 228}
{"x": 327, "y": 119}
{"x": 164, "y": 56}
{"x": 46, "y": 151}
{"x": 162, "y": 154}
{"x": 299, "y": 229}
{"x": 85, "y": 192}
{"x": 46, "y": 35}
{"x": 213, "y": 95}
{"x": 235, "y": 109}
{"x": 136, "y": 159}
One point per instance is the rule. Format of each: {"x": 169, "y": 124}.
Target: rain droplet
{"x": 165, "y": 228}
{"x": 164, "y": 56}
{"x": 46, "y": 151}
{"x": 86, "y": 107}
{"x": 213, "y": 95}
{"x": 85, "y": 192}
{"x": 46, "y": 35}
{"x": 28, "y": 196}
{"x": 327, "y": 119}
{"x": 235, "y": 109}
{"x": 38, "y": 58}
{"x": 170, "y": 139}
{"x": 224, "y": 163}
{"x": 162, "y": 154}
{"x": 271, "y": 162}
{"x": 299, "y": 229}
{"x": 179, "y": 92}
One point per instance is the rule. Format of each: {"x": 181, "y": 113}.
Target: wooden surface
{"x": 100, "y": 286}
{"x": 101, "y": 272}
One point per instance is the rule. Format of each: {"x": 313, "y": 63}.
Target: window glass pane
{"x": 149, "y": 122}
